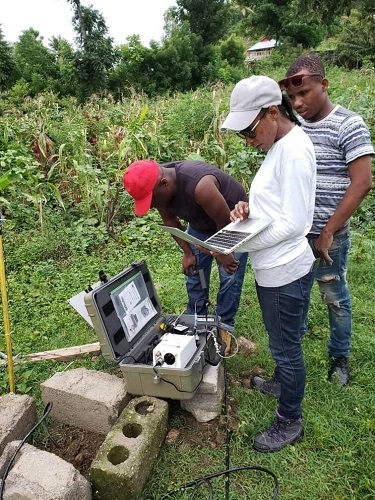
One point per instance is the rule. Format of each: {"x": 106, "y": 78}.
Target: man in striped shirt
{"x": 343, "y": 152}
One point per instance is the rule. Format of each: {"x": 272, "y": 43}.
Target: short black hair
{"x": 311, "y": 62}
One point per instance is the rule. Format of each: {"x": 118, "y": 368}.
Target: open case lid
{"x": 127, "y": 307}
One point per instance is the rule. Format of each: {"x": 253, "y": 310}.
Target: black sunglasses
{"x": 250, "y": 132}
{"x": 295, "y": 81}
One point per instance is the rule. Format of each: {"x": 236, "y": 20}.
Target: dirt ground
{"x": 79, "y": 447}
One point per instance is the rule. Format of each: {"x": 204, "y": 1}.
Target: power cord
{"x": 196, "y": 484}
{"x": 217, "y": 324}
{"x": 174, "y": 385}
{"x": 46, "y": 411}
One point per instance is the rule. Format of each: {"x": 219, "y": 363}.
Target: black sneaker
{"x": 282, "y": 432}
{"x": 270, "y": 387}
{"x": 338, "y": 371}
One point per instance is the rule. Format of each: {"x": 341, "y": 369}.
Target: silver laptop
{"x": 231, "y": 238}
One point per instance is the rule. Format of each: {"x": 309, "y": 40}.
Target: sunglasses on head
{"x": 250, "y": 131}
{"x": 295, "y": 81}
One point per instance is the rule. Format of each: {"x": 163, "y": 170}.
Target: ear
{"x": 274, "y": 112}
{"x": 325, "y": 84}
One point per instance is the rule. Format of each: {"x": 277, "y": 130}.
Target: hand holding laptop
{"x": 231, "y": 238}
{"x": 227, "y": 261}
{"x": 240, "y": 212}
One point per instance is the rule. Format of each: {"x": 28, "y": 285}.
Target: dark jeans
{"x": 282, "y": 310}
{"x": 229, "y": 294}
{"x": 334, "y": 291}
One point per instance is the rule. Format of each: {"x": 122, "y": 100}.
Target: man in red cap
{"x": 203, "y": 196}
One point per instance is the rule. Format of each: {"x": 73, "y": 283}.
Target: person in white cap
{"x": 284, "y": 265}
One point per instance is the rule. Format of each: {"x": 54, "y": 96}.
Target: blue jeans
{"x": 229, "y": 294}
{"x": 282, "y": 310}
{"x": 334, "y": 291}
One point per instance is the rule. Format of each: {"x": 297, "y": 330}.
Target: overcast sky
{"x": 53, "y": 18}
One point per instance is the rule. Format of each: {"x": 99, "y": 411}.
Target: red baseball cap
{"x": 139, "y": 180}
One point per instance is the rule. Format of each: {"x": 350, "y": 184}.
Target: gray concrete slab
{"x": 39, "y": 475}
{"x": 87, "y": 399}
{"x": 17, "y": 417}
{"x": 207, "y": 401}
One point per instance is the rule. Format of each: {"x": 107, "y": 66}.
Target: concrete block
{"x": 17, "y": 417}
{"x": 37, "y": 474}
{"x": 127, "y": 456}
{"x": 87, "y": 399}
{"x": 207, "y": 401}
{"x": 212, "y": 381}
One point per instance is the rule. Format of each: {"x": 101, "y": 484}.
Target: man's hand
{"x": 322, "y": 245}
{"x": 228, "y": 262}
{"x": 240, "y": 212}
{"x": 189, "y": 262}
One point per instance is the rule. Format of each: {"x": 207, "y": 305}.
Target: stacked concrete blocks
{"x": 127, "y": 456}
{"x": 207, "y": 401}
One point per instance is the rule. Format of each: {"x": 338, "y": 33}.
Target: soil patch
{"x": 79, "y": 447}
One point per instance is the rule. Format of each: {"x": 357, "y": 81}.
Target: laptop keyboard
{"x": 227, "y": 239}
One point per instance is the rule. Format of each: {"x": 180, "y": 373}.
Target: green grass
{"x": 335, "y": 460}
{"x": 51, "y": 254}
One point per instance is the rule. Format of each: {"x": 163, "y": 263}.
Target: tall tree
{"x": 35, "y": 63}
{"x": 325, "y": 11}
{"x": 67, "y": 83}
{"x": 129, "y": 72}
{"x": 356, "y": 39}
{"x": 208, "y": 19}
{"x": 78, "y": 14}
{"x": 7, "y": 64}
{"x": 281, "y": 20}
{"x": 95, "y": 55}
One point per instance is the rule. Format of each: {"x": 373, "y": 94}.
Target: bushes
{"x": 56, "y": 154}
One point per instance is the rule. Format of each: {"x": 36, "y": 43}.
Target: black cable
{"x": 46, "y": 411}
{"x": 208, "y": 303}
{"x": 227, "y": 432}
{"x": 196, "y": 483}
{"x": 174, "y": 385}
{"x": 201, "y": 483}
{"x": 206, "y": 480}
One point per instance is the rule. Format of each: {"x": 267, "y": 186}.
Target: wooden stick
{"x": 63, "y": 354}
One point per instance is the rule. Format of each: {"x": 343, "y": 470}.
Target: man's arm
{"x": 359, "y": 172}
{"x": 208, "y": 196}
{"x": 188, "y": 260}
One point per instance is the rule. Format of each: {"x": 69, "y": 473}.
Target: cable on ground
{"x": 196, "y": 484}
{"x": 46, "y": 411}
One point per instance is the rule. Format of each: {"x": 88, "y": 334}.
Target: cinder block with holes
{"x": 127, "y": 456}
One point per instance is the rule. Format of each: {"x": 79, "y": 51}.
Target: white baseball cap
{"x": 248, "y": 97}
